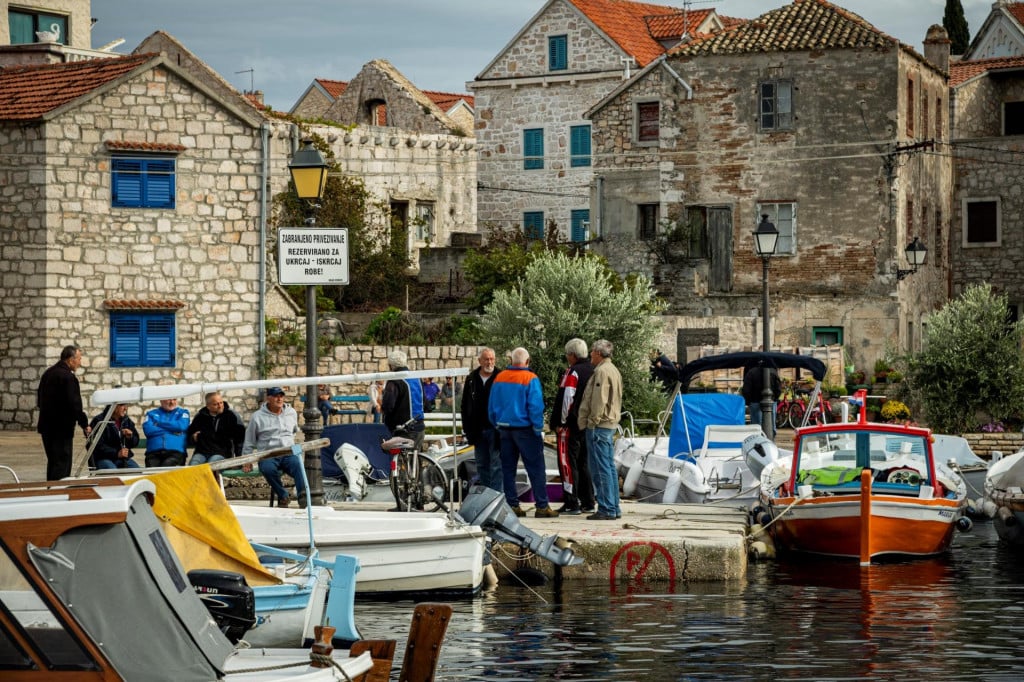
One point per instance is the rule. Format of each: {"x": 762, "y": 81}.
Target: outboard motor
{"x": 228, "y": 598}
{"x": 356, "y": 466}
{"x": 758, "y": 453}
{"x": 487, "y": 508}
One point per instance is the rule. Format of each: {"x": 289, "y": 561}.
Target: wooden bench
{"x": 349, "y": 411}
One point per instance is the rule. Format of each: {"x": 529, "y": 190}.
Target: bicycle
{"x": 417, "y": 481}
{"x": 798, "y": 408}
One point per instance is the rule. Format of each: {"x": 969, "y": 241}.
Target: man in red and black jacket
{"x": 579, "y": 490}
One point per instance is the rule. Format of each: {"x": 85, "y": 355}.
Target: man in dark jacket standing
{"x": 402, "y": 400}
{"x": 59, "y": 399}
{"x": 579, "y": 494}
{"x": 216, "y": 432}
{"x": 477, "y": 425}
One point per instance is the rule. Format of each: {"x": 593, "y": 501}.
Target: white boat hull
{"x": 397, "y": 553}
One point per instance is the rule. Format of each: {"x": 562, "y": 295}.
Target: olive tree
{"x": 559, "y": 298}
{"x": 971, "y": 371}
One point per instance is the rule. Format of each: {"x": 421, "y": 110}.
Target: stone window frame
{"x": 780, "y": 119}
{"x": 558, "y": 52}
{"x": 580, "y": 145}
{"x": 965, "y": 213}
{"x": 787, "y": 225}
{"x": 533, "y": 224}
{"x": 157, "y": 175}
{"x": 646, "y": 136}
{"x": 153, "y": 333}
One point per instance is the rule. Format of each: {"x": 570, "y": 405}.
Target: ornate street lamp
{"x": 309, "y": 175}
{"x": 916, "y": 253}
{"x": 766, "y": 240}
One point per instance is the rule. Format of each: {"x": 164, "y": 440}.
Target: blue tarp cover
{"x": 366, "y": 437}
{"x": 702, "y": 409}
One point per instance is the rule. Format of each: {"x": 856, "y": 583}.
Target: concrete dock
{"x": 656, "y": 544}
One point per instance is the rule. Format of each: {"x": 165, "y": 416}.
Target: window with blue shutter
{"x": 579, "y": 146}
{"x": 558, "y": 53}
{"x": 533, "y": 148}
{"x": 580, "y": 223}
{"x": 142, "y": 339}
{"x": 533, "y": 224}
{"x": 137, "y": 182}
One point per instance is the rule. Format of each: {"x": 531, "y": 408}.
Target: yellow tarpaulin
{"x": 200, "y": 525}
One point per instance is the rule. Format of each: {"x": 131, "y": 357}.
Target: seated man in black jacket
{"x": 216, "y": 432}
{"x": 115, "y": 442}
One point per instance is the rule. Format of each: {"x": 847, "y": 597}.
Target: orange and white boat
{"x": 863, "y": 490}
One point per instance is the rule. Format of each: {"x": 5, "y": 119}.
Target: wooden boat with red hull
{"x": 862, "y": 490}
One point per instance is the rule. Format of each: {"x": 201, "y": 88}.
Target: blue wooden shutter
{"x": 125, "y": 340}
{"x": 533, "y": 148}
{"x": 558, "y": 53}
{"x": 579, "y": 220}
{"x": 159, "y": 180}
{"x": 158, "y": 340}
{"x": 141, "y": 339}
{"x": 533, "y": 224}
{"x": 126, "y": 182}
{"x": 579, "y": 146}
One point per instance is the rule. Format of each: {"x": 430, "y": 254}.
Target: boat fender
{"x": 759, "y": 550}
{"x": 632, "y": 477}
{"x": 964, "y": 524}
{"x": 764, "y": 519}
{"x": 757, "y": 532}
{"x": 987, "y": 507}
{"x": 672, "y": 484}
{"x": 1005, "y": 514}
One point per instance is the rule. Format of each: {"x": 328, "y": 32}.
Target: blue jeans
{"x": 487, "y": 455}
{"x": 111, "y": 464}
{"x": 530, "y": 445}
{"x": 601, "y": 457}
{"x": 198, "y": 458}
{"x": 289, "y": 464}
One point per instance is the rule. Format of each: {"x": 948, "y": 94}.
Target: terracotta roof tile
{"x": 672, "y": 26}
{"x": 626, "y": 23}
{"x": 959, "y": 72}
{"x": 29, "y": 92}
{"x": 801, "y": 25}
{"x": 446, "y": 100}
{"x": 143, "y": 146}
{"x": 1016, "y": 9}
{"x": 333, "y": 88}
{"x": 134, "y": 304}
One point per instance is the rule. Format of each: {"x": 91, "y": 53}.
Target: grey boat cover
{"x": 127, "y": 589}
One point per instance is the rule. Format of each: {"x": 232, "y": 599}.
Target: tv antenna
{"x": 251, "y": 71}
{"x": 686, "y": 37}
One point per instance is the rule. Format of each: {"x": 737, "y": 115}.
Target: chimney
{"x": 255, "y": 96}
{"x": 936, "y": 47}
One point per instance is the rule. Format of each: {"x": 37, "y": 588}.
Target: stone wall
{"x": 984, "y": 444}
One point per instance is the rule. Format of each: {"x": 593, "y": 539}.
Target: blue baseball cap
{"x": 275, "y": 390}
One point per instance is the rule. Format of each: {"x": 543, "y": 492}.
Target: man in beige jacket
{"x": 599, "y": 415}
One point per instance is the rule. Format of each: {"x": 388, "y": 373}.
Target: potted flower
{"x": 895, "y": 411}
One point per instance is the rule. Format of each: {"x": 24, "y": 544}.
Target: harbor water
{"x": 960, "y": 617}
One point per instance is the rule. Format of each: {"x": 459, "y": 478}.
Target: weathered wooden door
{"x": 720, "y": 249}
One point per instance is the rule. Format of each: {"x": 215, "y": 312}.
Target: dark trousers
{"x": 164, "y": 458}
{"x": 582, "y": 494}
{"x": 58, "y": 451}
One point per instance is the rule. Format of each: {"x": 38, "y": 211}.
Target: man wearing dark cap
{"x": 274, "y": 426}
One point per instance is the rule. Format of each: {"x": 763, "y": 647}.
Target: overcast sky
{"x": 437, "y": 44}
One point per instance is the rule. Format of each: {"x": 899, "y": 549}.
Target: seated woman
{"x": 116, "y": 440}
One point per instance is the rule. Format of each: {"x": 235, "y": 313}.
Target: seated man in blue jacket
{"x": 165, "y": 428}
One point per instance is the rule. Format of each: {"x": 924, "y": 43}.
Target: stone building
{"x": 131, "y": 196}
{"x": 987, "y": 236}
{"x": 806, "y": 114}
{"x": 1000, "y": 35}
{"x": 535, "y": 157}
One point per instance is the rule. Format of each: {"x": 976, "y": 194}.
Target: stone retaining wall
{"x": 984, "y": 444}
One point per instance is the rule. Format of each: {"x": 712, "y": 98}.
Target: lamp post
{"x": 309, "y": 175}
{"x": 766, "y": 240}
{"x": 916, "y": 253}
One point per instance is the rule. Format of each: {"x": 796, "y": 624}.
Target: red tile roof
{"x": 446, "y": 100}
{"x": 333, "y": 88}
{"x": 1016, "y": 9}
{"x": 960, "y": 72}
{"x": 30, "y": 92}
{"x": 134, "y": 304}
{"x": 672, "y": 26}
{"x": 801, "y": 25}
{"x": 143, "y": 146}
{"x": 626, "y": 23}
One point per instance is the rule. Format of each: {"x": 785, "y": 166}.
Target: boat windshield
{"x": 839, "y": 457}
{"x": 45, "y": 631}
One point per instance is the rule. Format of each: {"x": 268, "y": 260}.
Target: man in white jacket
{"x": 274, "y": 426}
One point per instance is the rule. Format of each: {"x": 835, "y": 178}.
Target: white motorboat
{"x": 397, "y": 553}
{"x": 90, "y": 582}
{"x": 1004, "y": 489}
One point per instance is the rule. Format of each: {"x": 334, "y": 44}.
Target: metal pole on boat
{"x": 766, "y": 239}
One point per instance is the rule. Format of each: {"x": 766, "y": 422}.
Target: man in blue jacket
{"x": 165, "y": 428}
{"x": 516, "y": 408}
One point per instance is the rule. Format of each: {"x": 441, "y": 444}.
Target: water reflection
{"x": 957, "y": 616}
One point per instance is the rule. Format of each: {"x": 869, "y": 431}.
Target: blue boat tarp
{"x": 366, "y": 437}
{"x": 701, "y": 410}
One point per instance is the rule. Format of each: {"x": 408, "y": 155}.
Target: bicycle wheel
{"x": 796, "y": 415}
{"x": 422, "y": 489}
{"x": 401, "y": 483}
